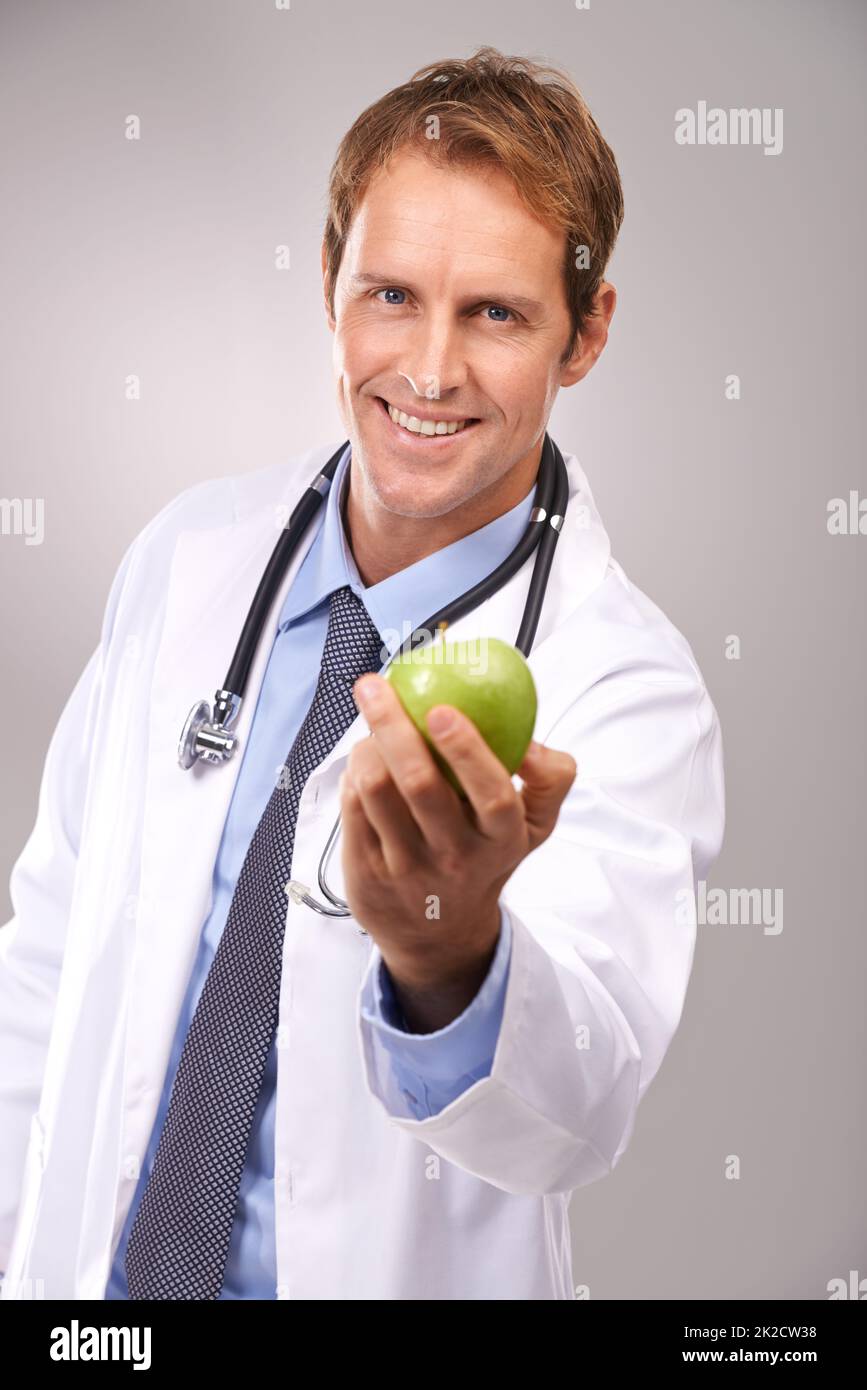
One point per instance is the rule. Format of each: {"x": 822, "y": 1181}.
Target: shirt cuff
{"x": 435, "y": 1068}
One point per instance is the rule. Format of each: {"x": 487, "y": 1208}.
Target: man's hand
{"x": 423, "y": 868}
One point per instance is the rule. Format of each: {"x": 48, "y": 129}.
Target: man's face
{"x": 450, "y": 304}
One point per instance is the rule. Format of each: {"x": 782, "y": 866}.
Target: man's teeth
{"x": 416, "y": 426}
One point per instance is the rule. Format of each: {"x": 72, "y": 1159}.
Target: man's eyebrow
{"x": 520, "y": 301}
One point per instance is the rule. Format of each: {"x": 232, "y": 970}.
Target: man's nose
{"x": 434, "y": 361}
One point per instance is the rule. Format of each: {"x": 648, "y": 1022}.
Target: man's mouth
{"x": 425, "y": 428}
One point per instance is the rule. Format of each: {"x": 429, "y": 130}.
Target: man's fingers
{"x": 360, "y": 840}
{"x": 388, "y": 814}
{"x": 547, "y": 774}
{"x": 429, "y": 799}
{"x": 488, "y": 786}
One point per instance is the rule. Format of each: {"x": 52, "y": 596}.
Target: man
{"x": 209, "y": 1090}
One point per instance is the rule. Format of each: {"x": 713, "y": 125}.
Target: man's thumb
{"x": 547, "y": 774}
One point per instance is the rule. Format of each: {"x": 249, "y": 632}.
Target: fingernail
{"x": 366, "y": 692}
{"x": 440, "y": 720}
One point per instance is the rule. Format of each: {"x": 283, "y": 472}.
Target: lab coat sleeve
{"x": 432, "y": 1069}
{"x": 603, "y": 935}
{"x": 32, "y": 943}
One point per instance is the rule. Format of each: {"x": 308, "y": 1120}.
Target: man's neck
{"x": 383, "y": 542}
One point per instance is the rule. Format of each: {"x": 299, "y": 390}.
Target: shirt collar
{"x": 402, "y": 601}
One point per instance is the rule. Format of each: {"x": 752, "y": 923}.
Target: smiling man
{"x": 449, "y": 310}
{"x": 212, "y": 1089}
{"x": 446, "y": 278}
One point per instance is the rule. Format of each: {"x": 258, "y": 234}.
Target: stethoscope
{"x": 207, "y": 735}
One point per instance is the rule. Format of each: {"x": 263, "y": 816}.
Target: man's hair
{"x": 521, "y": 117}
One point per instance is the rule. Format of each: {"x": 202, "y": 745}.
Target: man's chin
{"x": 407, "y": 487}
{"x": 410, "y": 497}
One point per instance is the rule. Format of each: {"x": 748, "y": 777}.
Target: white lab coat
{"x": 112, "y": 888}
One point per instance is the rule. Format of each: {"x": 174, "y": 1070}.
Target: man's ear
{"x": 594, "y": 337}
{"x": 328, "y": 315}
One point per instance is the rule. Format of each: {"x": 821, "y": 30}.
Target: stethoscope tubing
{"x": 275, "y": 570}
{"x": 552, "y": 491}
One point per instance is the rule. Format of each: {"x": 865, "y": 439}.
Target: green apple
{"x": 487, "y": 680}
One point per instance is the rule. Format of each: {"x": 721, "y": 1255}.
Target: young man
{"x": 208, "y": 1090}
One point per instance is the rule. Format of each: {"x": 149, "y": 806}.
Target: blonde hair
{"x": 521, "y": 117}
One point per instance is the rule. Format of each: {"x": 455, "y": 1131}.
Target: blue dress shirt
{"x": 432, "y": 1068}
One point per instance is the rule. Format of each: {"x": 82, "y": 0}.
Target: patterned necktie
{"x": 179, "y": 1242}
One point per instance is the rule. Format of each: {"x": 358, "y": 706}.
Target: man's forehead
{"x": 381, "y": 241}
{"x": 479, "y": 204}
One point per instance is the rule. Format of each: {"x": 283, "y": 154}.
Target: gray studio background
{"x": 156, "y": 257}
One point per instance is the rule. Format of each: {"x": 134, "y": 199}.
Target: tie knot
{"x": 353, "y": 645}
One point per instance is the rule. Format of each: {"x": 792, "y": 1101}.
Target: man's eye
{"x": 391, "y": 290}
{"x": 497, "y": 308}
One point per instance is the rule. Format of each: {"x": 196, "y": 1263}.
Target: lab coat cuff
{"x": 549, "y": 1117}
{"x": 464, "y": 1046}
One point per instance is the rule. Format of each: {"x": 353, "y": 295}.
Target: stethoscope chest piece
{"x": 205, "y": 736}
